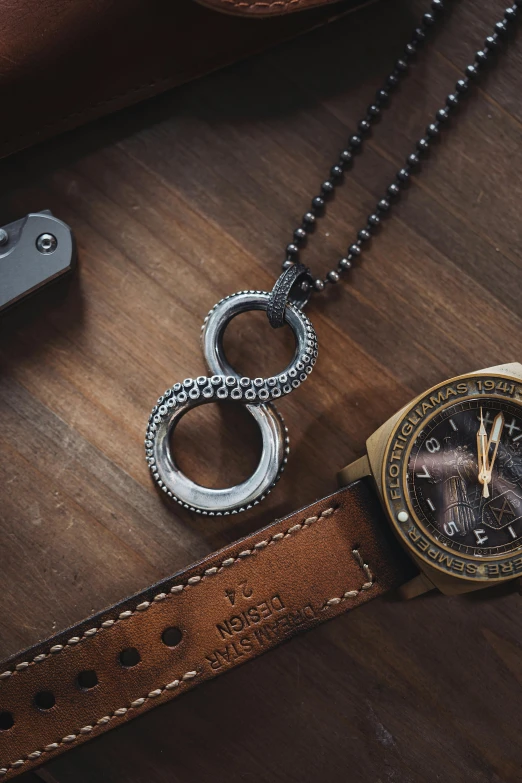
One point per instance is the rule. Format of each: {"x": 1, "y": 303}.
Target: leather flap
{"x": 62, "y": 64}
{"x": 263, "y": 7}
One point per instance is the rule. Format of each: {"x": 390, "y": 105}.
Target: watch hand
{"x": 482, "y": 453}
{"x": 494, "y": 439}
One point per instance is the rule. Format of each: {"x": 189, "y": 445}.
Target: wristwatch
{"x": 448, "y": 471}
{"x": 435, "y": 502}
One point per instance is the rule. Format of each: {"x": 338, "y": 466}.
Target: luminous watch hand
{"x": 494, "y": 439}
{"x": 482, "y": 453}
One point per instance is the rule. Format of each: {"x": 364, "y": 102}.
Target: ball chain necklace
{"x": 285, "y": 303}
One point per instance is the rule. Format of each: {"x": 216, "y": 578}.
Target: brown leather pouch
{"x": 263, "y": 7}
{"x": 62, "y": 64}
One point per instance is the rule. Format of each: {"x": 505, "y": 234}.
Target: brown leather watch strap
{"x": 220, "y": 612}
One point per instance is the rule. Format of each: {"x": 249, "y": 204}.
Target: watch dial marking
{"x": 433, "y": 445}
{"x": 450, "y": 528}
{"x": 480, "y": 536}
{"x": 488, "y": 419}
{"x": 512, "y": 427}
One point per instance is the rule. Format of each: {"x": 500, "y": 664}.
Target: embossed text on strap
{"x": 221, "y": 612}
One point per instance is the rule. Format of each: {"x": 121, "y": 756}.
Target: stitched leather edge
{"x": 373, "y": 534}
{"x": 19, "y": 141}
{"x": 265, "y": 6}
{"x": 138, "y": 703}
{"x": 119, "y": 714}
{"x": 174, "y": 590}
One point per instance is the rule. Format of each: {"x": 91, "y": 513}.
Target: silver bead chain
{"x": 422, "y": 146}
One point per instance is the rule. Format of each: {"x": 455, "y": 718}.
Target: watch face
{"x": 470, "y": 503}
{"x": 453, "y": 477}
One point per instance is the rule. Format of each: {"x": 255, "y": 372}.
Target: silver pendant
{"x": 224, "y": 383}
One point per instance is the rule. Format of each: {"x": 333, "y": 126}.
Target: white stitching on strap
{"x": 144, "y": 605}
{"x": 353, "y": 593}
{"x": 119, "y": 713}
{"x": 136, "y": 704}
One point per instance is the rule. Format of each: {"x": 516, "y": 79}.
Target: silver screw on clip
{"x": 4, "y": 237}
{"x": 46, "y": 243}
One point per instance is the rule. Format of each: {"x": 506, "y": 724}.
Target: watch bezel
{"x": 394, "y": 478}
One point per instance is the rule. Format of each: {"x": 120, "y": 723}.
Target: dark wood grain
{"x": 175, "y": 204}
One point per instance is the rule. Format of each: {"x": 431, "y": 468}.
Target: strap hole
{"x": 45, "y": 700}
{"x": 6, "y": 721}
{"x": 87, "y": 679}
{"x": 171, "y": 637}
{"x": 130, "y": 657}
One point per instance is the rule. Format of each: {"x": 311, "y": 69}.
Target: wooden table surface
{"x": 175, "y": 204}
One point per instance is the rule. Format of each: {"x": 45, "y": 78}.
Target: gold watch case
{"x": 386, "y": 462}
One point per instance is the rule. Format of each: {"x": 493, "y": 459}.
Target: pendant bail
{"x": 293, "y": 286}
